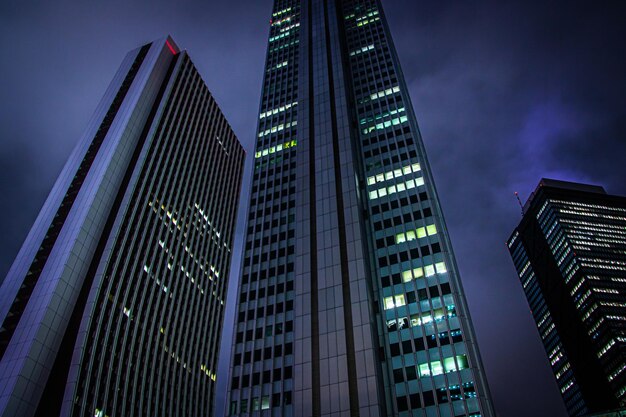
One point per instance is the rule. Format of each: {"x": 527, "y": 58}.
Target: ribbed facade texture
{"x": 350, "y": 301}
{"x": 570, "y": 254}
{"x": 115, "y": 303}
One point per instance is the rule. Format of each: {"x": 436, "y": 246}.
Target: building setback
{"x": 114, "y": 304}
{"x": 350, "y": 301}
{"x": 570, "y": 253}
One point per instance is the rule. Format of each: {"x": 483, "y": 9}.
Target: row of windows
{"x": 393, "y": 139}
{"x": 276, "y": 194}
{"x": 391, "y": 259}
{"x": 273, "y": 161}
{"x": 266, "y": 211}
{"x": 261, "y": 403}
{"x": 264, "y": 377}
{"x": 280, "y": 253}
{"x": 272, "y": 238}
{"x": 273, "y": 169}
{"x": 265, "y": 310}
{"x": 411, "y": 297}
{"x": 399, "y": 221}
{"x": 277, "y": 110}
{"x": 405, "y": 276}
{"x": 266, "y": 291}
{"x": 263, "y": 354}
{"x": 390, "y": 160}
{"x": 443, "y": 395}
{"x": 268, "y": 331}
{"x": 438, "y": 367}
{"x": 273, "y": 182}
{"x": 384, "y": 206}
{"x": 417, "y": 344}
{"x": 266, "y": 273}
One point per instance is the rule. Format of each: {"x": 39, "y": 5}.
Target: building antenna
{"x": 521, "y": 206}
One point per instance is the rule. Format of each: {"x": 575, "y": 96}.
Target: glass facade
{"x": 350, "y": 300}
{"x": 115, "y": 303}
{"x": 569, "y": 253}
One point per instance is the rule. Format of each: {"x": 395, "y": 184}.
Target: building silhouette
{"x": 350, "y": 301}
{"x": 115, "y": 302}
{"x": 570, "y": 253}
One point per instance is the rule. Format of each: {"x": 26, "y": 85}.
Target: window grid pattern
{"x": 587, "y": 240}
{"x": 261, "y": 374}
{"x": 333, "y": 91}
{"x": 153, "y": 339}
{"x": 424, "y": 318}
{"x": 583, "y": 234}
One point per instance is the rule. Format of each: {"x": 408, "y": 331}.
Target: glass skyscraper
{"x": 114, "y": 304}
{"x": 350, "y": 301}
{"x": 570, "y": 254}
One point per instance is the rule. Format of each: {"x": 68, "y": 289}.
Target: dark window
{"x": 402, "y": 404}
{"x": 398, "y": 375}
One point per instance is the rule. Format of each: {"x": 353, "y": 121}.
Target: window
{"x": 451, "y": 364}
{"x": 265, "y": 402}
{"x": 420, "y": 233}
{"x": 394, "y": 301}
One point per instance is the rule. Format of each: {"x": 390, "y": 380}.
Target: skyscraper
{"x": 570, "y": 253}
{"x": 115, "y": 302}
{"x": 350, "y": 301}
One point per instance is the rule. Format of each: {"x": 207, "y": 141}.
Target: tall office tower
{"x": 570, "y": 254}
{"x": 350, "y": 301}
{"x": 115, "y": 302}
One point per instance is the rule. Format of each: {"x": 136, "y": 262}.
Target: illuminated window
{"x": 280, "y": 12}
{"x": 278, "y": 128}
{"x": 394, "y": 301}
{"x": 407, "y": 185}
{"x": 384, "y": 125}
{"x": 275, "y": 67}
{"x": 283, "y": 34}
{"x": 417, "y": 234}
{"x": 286, "y": 45}
{"x": 367, "y": 18}
{"x": 380, "y": 116}
{"x": 451, "y": 364}
{"x": 382, "y": 93}
{"x": 274, "y": 149}
{"x": 395, "y": 173}
{"x": 282, "y": 21}
{"x": 412, "y": 274}
{"x": 362, "y": 50}
{"x": 265, "y": 402}
{"x": 280, "y": 109}
{"x": 436, "y": 368}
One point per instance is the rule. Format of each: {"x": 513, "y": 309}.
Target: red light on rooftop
{"x": 171, "y": 47}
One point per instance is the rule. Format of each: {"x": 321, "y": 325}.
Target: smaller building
{"x": 570, "y": 253}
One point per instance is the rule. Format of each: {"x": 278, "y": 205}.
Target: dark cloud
{"x": 505, "y": 93}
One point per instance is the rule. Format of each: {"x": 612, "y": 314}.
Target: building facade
{"x": 350, "y": 301}
{"x": 114, "y": 304}
{"x": 570, "y": 254}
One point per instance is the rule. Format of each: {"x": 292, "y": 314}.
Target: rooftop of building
{"x": 564, "y": 185}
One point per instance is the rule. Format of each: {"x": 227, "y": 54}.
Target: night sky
{"x": 504, "y": 94}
